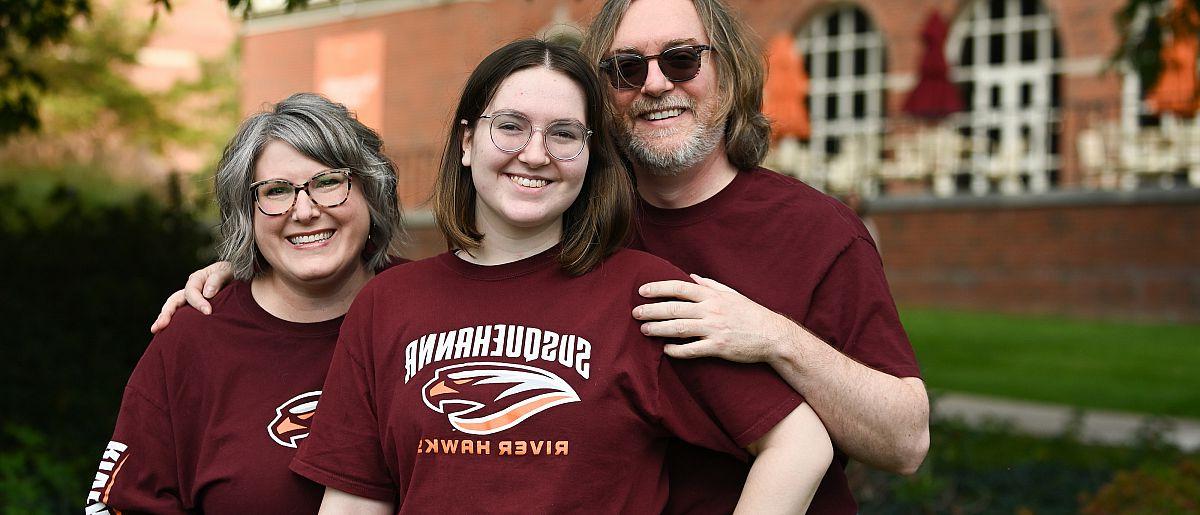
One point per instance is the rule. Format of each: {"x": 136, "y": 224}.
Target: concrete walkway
{"x": 1038, "y": 419}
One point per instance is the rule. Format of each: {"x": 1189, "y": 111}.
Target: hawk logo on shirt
{"x": 484, "y": 397}
{"x": 293, "y": 418}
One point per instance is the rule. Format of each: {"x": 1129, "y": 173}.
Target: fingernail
{"x": 206, "y": 310}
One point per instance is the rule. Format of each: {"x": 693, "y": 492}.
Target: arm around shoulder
{"x": 201, "y": 286}
{"x": 790, "y": 461}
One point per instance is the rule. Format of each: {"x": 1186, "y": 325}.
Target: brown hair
{"x": 741, "y": 71}
{"x": 598, "y": 221}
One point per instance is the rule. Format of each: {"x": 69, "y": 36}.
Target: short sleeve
{"x": 744, "y": 400}
{"x": 139, "y": 471}
{"x": 853, "y": 310}
{"x": 343, "y": 450}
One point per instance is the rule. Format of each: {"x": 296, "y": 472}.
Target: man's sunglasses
{"x": 678, "y": 64}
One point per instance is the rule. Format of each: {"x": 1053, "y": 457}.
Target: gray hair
{"x": 323, "y": 131}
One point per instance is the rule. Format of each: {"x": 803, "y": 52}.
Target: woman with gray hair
{"x": 218, "y": 405}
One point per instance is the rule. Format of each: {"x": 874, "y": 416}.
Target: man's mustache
{"x": 642, "y": 105}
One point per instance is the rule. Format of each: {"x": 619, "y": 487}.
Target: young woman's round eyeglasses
{"x": 511, "y": 132}
{"x": 329, "y": 188}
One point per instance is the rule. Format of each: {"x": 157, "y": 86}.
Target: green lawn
{"x": 1134, "y": 367}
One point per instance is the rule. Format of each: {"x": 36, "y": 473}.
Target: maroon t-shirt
{"x": 213, "y": 413}
{"x": 459, "y": 388}
{"x": 798, "y": 252}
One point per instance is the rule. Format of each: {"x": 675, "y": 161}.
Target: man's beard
{"x": 701, "y": 141}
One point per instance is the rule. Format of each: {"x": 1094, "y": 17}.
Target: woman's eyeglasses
{"x": 511, "y": 132}
{"x": 329, "y": 188}
{"x": 678, "y": 64}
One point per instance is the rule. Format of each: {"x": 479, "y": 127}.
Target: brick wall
{"x": 1070, "y": 253}
{"x": 1102, "y": 255}
{"x": 1130, "y": 256}
{"x": 429, "y": 51}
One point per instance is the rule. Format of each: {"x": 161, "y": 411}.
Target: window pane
{"x": 860, "y": 105}
{"x": 831, "y": 65}
{"x": 832, "y": 24}
{"x": 1030, "y": 7}
{"x": 996, "y": 49}
{"x": 860, "y": 62}
{"x": 1028, "y": 46}
{"x": 862, "y": 25}
{"x": 967, "y": 56}
{"x": 831, "y": 107}
{"x": 996, "y": 9}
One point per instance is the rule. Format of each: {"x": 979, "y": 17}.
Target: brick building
{"x": 1056, "y": 190}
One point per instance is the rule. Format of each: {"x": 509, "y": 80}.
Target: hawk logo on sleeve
{"x": 293, "y": 418}
{"x": 485, "y": 398}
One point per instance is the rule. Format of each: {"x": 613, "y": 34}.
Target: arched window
{"x": 1007, "y": 55}
{"x": 845, "y": 62}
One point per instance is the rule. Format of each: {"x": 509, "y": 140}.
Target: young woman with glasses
{"x": 507, "y": 375}
{"x": 214, "y": 411}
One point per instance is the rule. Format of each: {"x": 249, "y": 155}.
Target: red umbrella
{"x": 935, "y": 96}
{"x": 783, "y": 93}
{"x": 1176, "y": 91}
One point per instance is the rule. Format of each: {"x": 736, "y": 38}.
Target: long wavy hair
{"x": 741, "y": 71}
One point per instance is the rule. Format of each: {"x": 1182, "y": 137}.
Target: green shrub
{"x": 1149, "y": 490}
{"x": 991, "y": 469}
{"x": 32, "y": 479}
{"x": 84, "y": 281}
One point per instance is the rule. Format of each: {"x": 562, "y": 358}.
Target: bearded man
{"x": 806, "y": 290}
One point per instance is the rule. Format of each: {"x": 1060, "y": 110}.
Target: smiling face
{"x": 666, "y": 127}
{"x": 526, "y": 192}
{"x": 309, "y": 244}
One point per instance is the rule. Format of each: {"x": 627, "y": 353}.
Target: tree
{"x": 92, "y": 116}
{"x": 28, "y": 29}
{"x": 1143, "y": 26}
